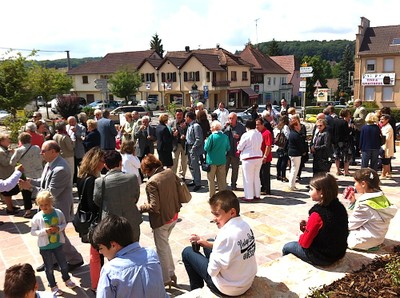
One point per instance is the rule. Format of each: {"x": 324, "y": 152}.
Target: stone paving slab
{"x": 274, "y": 221}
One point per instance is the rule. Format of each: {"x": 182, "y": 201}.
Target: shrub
{"x": 68, "y": 105}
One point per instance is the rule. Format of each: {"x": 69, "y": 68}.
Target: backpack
{"x": 280, "y": 140}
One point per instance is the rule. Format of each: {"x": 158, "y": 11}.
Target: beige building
{"x": 377, "y": 64}
{"x": 84, "y": 76}
{"x": 268, "y": 78}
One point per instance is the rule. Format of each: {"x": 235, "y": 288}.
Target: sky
{"x": 88, "y": 28}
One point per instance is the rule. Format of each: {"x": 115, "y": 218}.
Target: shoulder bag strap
{"x": 83, "y": 189}
{"x": 25, "y": 152}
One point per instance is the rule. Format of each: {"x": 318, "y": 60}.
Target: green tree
{"x": 124, "y": 83}
{"x": 14, "y": 88}
{"x": 156, "y": 44}
{"x": 273, "y": 49}
{"x": 346, "y": 66}
{"x": 48, "y": 82}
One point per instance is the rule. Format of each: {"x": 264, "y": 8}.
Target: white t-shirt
{"x": 131, "y": 165}
{"x": 222, "y": 115}
{"x": 232, "y": 264}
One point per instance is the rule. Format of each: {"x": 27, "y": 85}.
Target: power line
{"x": 30, "y": 50}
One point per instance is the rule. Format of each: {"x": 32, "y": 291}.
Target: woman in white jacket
{"x": 251, "y": 157}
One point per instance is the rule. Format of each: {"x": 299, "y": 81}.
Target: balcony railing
{"x": 221, "y": 83}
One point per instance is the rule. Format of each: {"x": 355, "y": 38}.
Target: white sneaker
{"x": 56, "y": 291}
{"x": 70, "y": 284}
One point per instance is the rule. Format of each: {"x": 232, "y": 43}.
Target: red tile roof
{"x": 378, "y": 40}
{"x": 225, "y": 57}
{"x": 114, "y": 61}
{"x": 287, "y": 62}
{"x": 262, "y": 63}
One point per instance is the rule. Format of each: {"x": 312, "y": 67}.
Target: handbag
{"x": 204, "y": 165}
{"x": 82, "y": 219}
{"x": 183, "y": 192}
{"x": 383, "y": 140}
{"x": 97, "y": 218}
{"x": 280, "y": 140}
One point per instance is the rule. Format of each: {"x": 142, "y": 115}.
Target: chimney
{"x": 217, "y": 46}
{"x": 187, "y": 49}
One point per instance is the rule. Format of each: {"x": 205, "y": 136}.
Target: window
{"x": 244, "y": 75}
{"x": 191, "y": 76}
{"x": 149, "y": 77}
{"x": 388, "y": 64}
{"x": 269, "y": 81}
{"x": 283, "y": 80}
{"x": 396, "y": 41}
{"x": 371, "y": 65}
{"x": 85, "y": 80}
{"x": 208, "y": 76}
{"x": 104, "y": 77}
{"x": 168, "y": 77}
{"x": 369, "y": 93}
{"x": 387, "y": 94}
{"x": 233, "y": 76}
{"x": 274, "y": 81}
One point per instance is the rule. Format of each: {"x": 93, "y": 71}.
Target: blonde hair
{"x": 371, "y": 118}
{"x": 44, "y": 196}
{"x": 163, "y": 118}
{"x": 91, "y": 123}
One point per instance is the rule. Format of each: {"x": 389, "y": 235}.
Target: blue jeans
{"x": 195, "y": 168}
{"x": 369, "y": 158}
{"x": 196, "y": 267}
{"x": 295, "y": 248}
{"x": 47, "y": 255}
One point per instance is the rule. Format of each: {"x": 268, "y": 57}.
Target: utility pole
{"x": 256, "y": 20}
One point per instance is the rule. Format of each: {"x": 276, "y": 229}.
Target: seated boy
{"x": 20, "y": 282}
{"x": 229, "y": 265}
{"x": 132, "y": 271}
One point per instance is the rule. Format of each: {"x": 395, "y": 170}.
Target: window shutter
{"x": 163, "y": 77}
{"x": 197, "y": 76}
{"x": 153, "y": 77}
{"x": 174, "y": 77}
{"x": 185, "y": 76}
{"x": 142, "y": 75}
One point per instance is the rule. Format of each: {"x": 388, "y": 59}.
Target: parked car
{"x": 104, "y": 105}
{"x": 3, "y": 115}
{"x": 115, "y": 114}
{"x": 148, "y": 104}
{"x": 246, "y": 115}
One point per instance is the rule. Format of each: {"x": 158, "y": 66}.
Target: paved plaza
{"x": 274, "y": 221}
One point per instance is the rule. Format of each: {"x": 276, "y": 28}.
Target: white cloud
{"x": 95, "y": 28}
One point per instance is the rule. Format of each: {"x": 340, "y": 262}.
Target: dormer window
{"x": 396, "y": 41}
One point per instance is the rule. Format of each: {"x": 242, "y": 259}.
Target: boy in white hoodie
{"x": 228, "y": 265}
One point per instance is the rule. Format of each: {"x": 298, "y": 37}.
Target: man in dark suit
{"x": 56, "y": 179}
{"x": 108, "y": 132}
{"x": 145, "y": 135}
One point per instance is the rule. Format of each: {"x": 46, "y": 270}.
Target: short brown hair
{"x": 19, "y": 280}
{"x": 149, "y": 163}
{"x": 226, "y": 200}
{"x": 25, "y": 138}
{"x": 327, "y": 184}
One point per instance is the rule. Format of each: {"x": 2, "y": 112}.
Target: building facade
{"x": 377, "y": 64}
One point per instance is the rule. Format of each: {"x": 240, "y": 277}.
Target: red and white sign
{"x": 378, "y": 79}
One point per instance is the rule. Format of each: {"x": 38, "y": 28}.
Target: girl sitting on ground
{"x": 369, "y": 222}
{"x": 323, "y": 241}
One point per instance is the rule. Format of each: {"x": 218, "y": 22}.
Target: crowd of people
{"x": 108, "y": 162}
